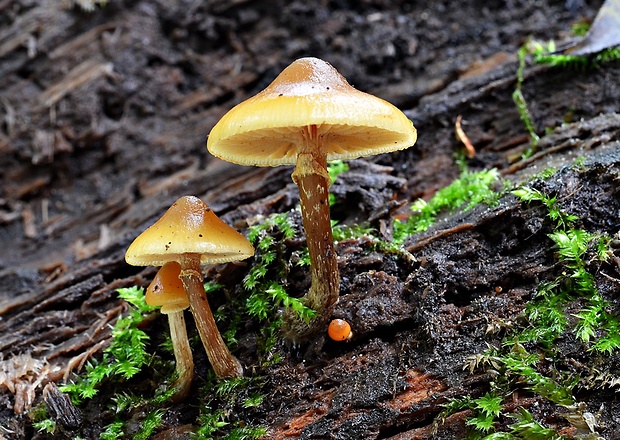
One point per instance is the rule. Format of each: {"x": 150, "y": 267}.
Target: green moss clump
{"x": 464, "y": 193}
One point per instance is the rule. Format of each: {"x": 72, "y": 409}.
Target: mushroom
{"x": 167, "y": 291}
{"x": 339, "y": 330}
{"x": 191, "y": 234}
{"x": 308, "y": 115}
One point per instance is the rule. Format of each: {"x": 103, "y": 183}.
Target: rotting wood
{"x": 206, "y": 96}
{"x": 18, "y": 35}
{"x": 81, "y": 42}
{"x": 579, "y": 136}
{"x": 436, "y": 235}
{"x": 82, "y": 74}
{"x": 492, "y": 111}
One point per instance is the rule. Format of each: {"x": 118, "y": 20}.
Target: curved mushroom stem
{"x": 182, "y": 355}
{"x": 223, "y": 362}
{"x": 313, "y": 181}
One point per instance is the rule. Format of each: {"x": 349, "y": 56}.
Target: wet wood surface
{"x": 105, "y": 115}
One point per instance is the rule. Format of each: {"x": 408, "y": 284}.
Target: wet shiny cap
{"x": 188, "y": 227}
{"x": 339, "y": 330}
{"x": 269, "y": 128}
{"x": 166, "y": 290}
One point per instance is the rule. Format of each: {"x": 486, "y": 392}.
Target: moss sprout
{"x": 469, "y": 190}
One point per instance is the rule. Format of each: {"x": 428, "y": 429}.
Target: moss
{"x": 519, "y": 100}
{"x": 124, "y": 357}
{"x": 470, "y": 189}
{"x": 545, "y": 53}
{"x": 41, "y": 420}
{"x": 266, "y": 278}
{"x": 221, "y": 398}
{"x": 528, "y": 356}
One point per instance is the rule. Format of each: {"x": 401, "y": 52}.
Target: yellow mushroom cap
{"x": 188, "y": 227}
{"x": 268, "y": 129}
{"x": 167, "y": 290}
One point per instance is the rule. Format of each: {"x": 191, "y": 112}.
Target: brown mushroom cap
{"x": 188, "y": 227}
{"x": 268, "y": 129}
{"x": 167, "y": 290}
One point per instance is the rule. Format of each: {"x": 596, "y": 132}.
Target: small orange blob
{"x": 339, "y": 330}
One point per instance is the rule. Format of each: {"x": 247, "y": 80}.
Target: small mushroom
{"x": 339, "y": 330}
{"x": 308, "y": 115}
{"x": 191, "y": 234}
{"x": 167, "y": 291}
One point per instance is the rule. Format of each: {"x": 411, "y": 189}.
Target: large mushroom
{"x": 308, "y": 115}
{"x": 167, "y": 291}
{"x": 191, "y": 234}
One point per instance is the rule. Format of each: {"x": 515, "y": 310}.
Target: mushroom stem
{"x": 223, "y": 362}
{"x": 313, "y": 181}
{"x": 182, "y": 355}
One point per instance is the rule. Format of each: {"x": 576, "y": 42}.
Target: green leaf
{"x": 608, "y": 344}
{"x": 489, "y": 405}
{"x": 113, "y": 431}
{"x": 135, "y": 296}
{"x": 149, "y": 424}
{"x": 335, "y": 168}
{"x": 253, "y": 401}
{"x": 481, "y": 422}
{"x": 526, "y": 427}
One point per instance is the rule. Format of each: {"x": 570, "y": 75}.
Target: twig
{"x": 439, "y": 234}
{"x": 461, "y": 136}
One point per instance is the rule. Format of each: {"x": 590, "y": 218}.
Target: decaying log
{"x": 93, "y": 148}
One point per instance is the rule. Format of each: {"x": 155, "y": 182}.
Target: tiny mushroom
{"x": 339, "y": 330}
{"x": 191, "y": 234}
{"x": 167, "y": 291}
{"x": 307, "y": 116}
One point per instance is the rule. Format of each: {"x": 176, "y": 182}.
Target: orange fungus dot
{"x": 339, "y": 330}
